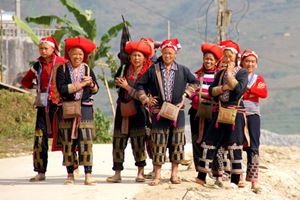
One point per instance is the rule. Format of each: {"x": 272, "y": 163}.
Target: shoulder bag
{"x": 72, "y": 109}
{"x": 168, "y": 110}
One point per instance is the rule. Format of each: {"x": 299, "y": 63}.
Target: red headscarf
{"x": 230, "y": 45}
{"x": 86, "y": 45}
{"x": 171, "y": 43}
{"x": 52, "y": 42}
{"x": 143, "y": 46}
{"x": 215, "y": 49}
{"x": 247, "y": 53}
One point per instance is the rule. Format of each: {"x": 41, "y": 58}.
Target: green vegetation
{"x": 17, "y": 125}
{"x": 103, "y": 125}
{"x": 17, "y": 118}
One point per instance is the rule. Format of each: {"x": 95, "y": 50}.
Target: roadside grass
{"x": 17, "y": 118}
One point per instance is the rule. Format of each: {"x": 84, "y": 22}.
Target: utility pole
{"x": 223, "y": 19}
{"x": 169, "y": 30}
{"x": 18, "y": 14}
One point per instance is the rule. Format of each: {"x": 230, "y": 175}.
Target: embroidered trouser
{"x": 220, "y": 163}
{"x": 253, "y": 122}
{"x": 40, "y": 145}
{"x": 164, "y": 135}
{"x": 84, "y": 144}
{"x": 137, "y": 140}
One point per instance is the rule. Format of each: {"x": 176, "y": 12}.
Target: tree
{"x": 84, "y": 26}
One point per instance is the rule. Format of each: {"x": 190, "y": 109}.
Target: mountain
{"x": 270, "y": 27}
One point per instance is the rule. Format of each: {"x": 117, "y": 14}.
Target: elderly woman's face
{"x": 209, "y": 61}
{"x": 228, "y": 56}
{"x": 137, "y": 59}
{"x": 249, "y": 63}
{"x": 168, "y": 55}
{"x": 45, "y": 50}
{"x": 76, "y": 56}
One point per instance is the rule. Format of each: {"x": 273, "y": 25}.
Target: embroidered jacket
{"x": 32, "y": 74}
{"x": 67, "y": 89}
{"x": 148, "y": 83}
{"x": 234, "y": 95}
{"x": 256, "y": 89}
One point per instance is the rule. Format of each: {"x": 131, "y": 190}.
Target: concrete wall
{"x": 17, "y": 53}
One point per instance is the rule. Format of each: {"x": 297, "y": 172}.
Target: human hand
{"x": 181, "y": 104}
{"x": 152, "y": 101}
{"x": 230, "y": 67}
{"x": 121, "y": 82}
{"x": 225, "y": 87}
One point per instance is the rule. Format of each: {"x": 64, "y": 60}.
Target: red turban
{"x": 171, "y": 43}
{"x": 52, "y": 42}
{"x": 230, "y": 45}
{"x": 86, "y": 45}
{"x": 141, "y": 46}
{"x": 216, "y": 50}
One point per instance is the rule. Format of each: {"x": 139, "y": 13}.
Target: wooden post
{"x": 223, "y": 19}
{"x": 109, "y": 95}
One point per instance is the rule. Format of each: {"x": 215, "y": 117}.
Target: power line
{"x": 199, "y": 15}
{"x": 241, "y": 18}
{"x": 206, "y": 18}
{"x": 152, "y": 11}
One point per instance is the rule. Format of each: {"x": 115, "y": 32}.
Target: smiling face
{"x": 249, "y": 63}
{"x": 76, "y": 56}
{"x": 228, "y": 56}
{"x": 168, "y": 55}
{"x": 45, "y": 50}
{"x": 209, "y": 61}
{"x": 137, "y": 59}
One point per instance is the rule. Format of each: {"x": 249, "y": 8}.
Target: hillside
{"x": 270, "y": 27}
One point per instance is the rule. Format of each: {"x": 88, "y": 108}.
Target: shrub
{"x": 103, "y": 127}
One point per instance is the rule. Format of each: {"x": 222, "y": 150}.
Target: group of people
{"x": 224, "y": 112}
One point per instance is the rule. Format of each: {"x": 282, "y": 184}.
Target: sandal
{"x": 89, "y": 180}
{"x": 114, "y": 179}
{"x": 139, "y": 179}
{"x": 69, "y": 180}
{"x": 154, "y": 182}
{"x": 39, "y": 177}
{"x": 175, "y": 180}
{"x": 219, "y": 183}
{"x": 150, "y": 175}
{"x": 241, "y": 184}
{"x": 257, "y": 190}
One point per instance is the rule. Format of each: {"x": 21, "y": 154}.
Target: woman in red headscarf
{"x": 130, "y": 120}
{"x": 167, "y": 81}
{"x": 227, "y": 89}
{"x": 201, "y": 109}
{"x": 76, "y": 82}
{"x": 42, "y": 72}
{"x": 256, "y": 89}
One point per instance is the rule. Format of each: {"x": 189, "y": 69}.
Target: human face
{"x": 249, "y": 63}
{"x": 228, "y": 56}
{"x": 168, "y": 55}
{"x": 76, "y": 56}
{"x": 45, "y": 50}
{"x": 209, "y": 61}
{"x": 137, "y": 59}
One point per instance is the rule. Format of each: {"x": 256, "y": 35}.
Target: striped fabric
{"x": 208, "y": 78}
